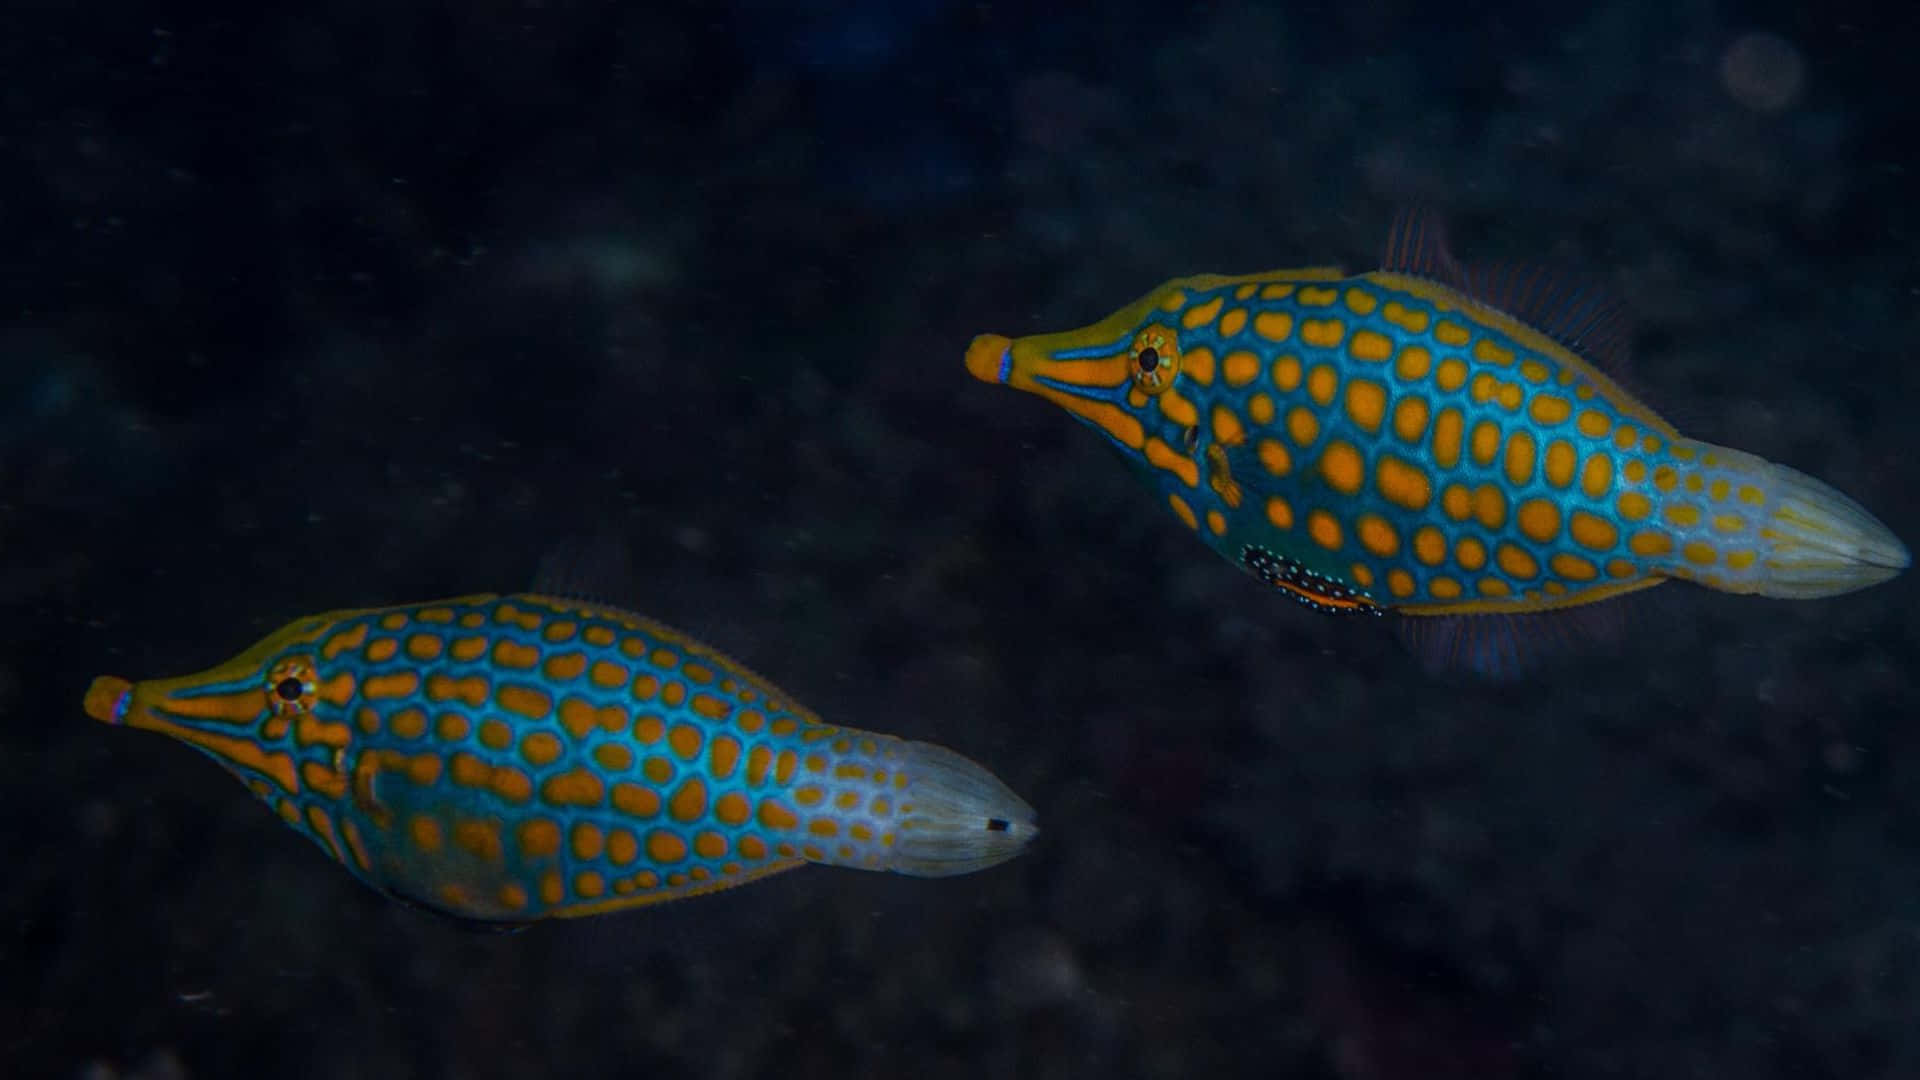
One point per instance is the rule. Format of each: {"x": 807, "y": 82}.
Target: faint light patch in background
{"x": 1763, "y": 71}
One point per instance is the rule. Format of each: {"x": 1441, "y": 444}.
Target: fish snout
{"x": 990, "y": 358}
{"x": 107, "y": 699}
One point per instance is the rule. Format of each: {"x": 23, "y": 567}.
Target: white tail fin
{"x": 1775, "y": 531}
{"x": 955, "y": 817}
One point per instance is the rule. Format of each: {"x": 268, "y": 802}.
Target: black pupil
{"x": 995, "y": 824}
{"x": 1149, "y": 358}
{"x": 289, "y": 689}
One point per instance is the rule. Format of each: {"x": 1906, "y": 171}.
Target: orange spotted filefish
{"x": 1437, "y": 442}
{"x": 504, "y": 759}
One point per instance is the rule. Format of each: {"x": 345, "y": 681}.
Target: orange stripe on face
{"x": 1109, "y": 417}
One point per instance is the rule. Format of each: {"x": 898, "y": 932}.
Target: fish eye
{"x": 291, "y": 686}
{"x": 1154, "y": 358}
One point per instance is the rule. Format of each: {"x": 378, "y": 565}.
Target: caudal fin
{"x": 955, "y": 817}
{"x": 1778, "y": 532}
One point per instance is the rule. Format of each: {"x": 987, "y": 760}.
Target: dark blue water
{"x": 378, "y": 302}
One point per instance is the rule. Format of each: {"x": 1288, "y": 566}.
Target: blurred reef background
{"x": 362, "y": 303}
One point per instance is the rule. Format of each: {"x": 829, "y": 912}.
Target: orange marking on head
{"x": 1590, "y": 531}
{"x": 1227, "y": 429}
{"x": 1201, "y": 314}
{"x": 1342, "y": 467}
{"x": 323, "y": 779}
{"x": 1520, "y": 458}
{"x": 1162, "y": 456}
{"x": 382, "y": 650}
{"x": 1175, "y": 407}
{"x": 310, "y": 730}
{"x": 1403, "y": 483}
{"x": 1184, "y": 511}
{"x": 1324, "y": 529}
{"x": 344, "y": 640}
{"x": 368, "y": 719}
{"x": 576, "y": 787}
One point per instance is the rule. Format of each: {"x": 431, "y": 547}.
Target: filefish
{"x": 1437, "y": 442}
{"x": 505, "y": 759}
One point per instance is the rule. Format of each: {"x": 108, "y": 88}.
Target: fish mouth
{"x": 217, "y": 712}
{"x": 1089, "y": 381}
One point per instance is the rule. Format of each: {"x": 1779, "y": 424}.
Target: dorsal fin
{"x": 1570, "y": 307}
{"x": 1567, "y": 306}
{"x": 594, "y": 569}
{"x": 1417, "y": 245}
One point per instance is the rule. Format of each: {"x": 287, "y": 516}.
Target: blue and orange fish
{"x": 1435, "y": 442}
{"x": 504, "y": 759}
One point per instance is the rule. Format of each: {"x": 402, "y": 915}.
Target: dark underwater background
{"x": 318, "y": 306}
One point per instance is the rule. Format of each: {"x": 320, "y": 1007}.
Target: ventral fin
{"x": 1507, "y": 647}
{"x": 1569, "y": 306}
